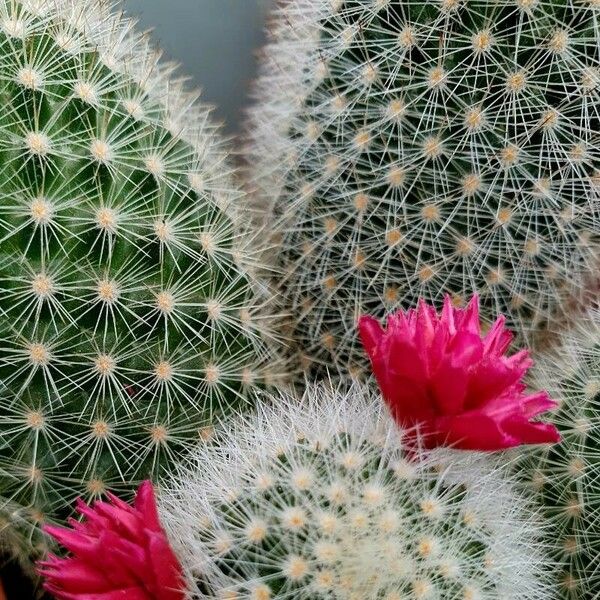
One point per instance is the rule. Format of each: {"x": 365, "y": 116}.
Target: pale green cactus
{"x": 417, "y": 148}
{"x": 129, "y": 311}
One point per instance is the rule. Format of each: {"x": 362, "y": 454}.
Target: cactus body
{"x": 317, "y": 500}
{"x": 565, "y": 476}
{"x": 422, "y": 148}
{"x": 129, "y": 313}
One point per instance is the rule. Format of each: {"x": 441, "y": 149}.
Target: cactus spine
{"x": 317, "y": 500}
{"x": 129, "y": 312}
{"x": 565, "y": 476}
{"x": 422, "y": 148}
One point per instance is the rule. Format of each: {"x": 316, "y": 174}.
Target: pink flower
{"x": 119, "y": 552}
{"x": 437, "y": 372}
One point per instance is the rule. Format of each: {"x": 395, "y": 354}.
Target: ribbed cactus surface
{"x": 129, "y": 313}
{"x": 417, "y": 148}
{"x": 565, "y": 476}
{"x": 317, "y": 500}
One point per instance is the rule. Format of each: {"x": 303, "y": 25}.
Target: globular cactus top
{"x": 414, "y": 148}
{"x": 565, "y": 476}
{"x": 317, "y": 500}
{"x": 129, "y": 312}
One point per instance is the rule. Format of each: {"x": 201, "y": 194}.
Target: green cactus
{"x": 318, "y": 500}
{"x": 565, "y": 476}
{"x": 129, "y": 311}
{"x": 428, "y": 147}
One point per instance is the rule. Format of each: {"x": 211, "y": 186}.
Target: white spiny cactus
{"x": 566, "y": 476}
{"x": 316, "y": 499}
{"x": 416, "y": 148}
{"x": 129, "y": 308}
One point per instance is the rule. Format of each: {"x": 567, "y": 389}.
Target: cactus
{"x": 565, "y": 476}
{"x": 317, "y": 500}
{"x": 429, "y": 147}
{"x": 130, "y": 312}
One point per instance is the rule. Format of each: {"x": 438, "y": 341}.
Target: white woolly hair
{"x": 317, "y": 499}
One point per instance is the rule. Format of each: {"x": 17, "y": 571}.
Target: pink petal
{"x": 120, "y": 504}
{"x": 129, "y": 523}
{"x": 538, "y": 403}
{"x": 409, "y": 403}
{"x": 400, "y": 358}
{"x": 75, "y": 575}
{"x": 520, "y": 361}
{"x": 166, "y": 568}
{"x": 123, "y": 560}
{"x": 473, "y": 431}
{"x": 438, "y": 349}
{"x": 145, "y": 503}
{"x": 449, "y": 388}
{"x": 448, "y": 315}
{"x": 527, "y": 432}
{"x": 426, "y": 321}
{"x": 94, "y": 523}
{"x": 371, "y": 333}
{"x": 498, "y": 338}
{"x": 465, "y": 350}
{"x": 73, "y": 541}
{"x": 120, "y": 553}
{"x": 470, "y": 317}
{"x": 124, "y": 594}
{"x": 489, "y": 380}
{"x": 436, "y": 371}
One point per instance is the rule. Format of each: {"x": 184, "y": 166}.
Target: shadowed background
{"x": 215, "y": 41}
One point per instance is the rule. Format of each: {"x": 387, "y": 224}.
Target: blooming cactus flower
{"x": 118, "y": 552}
{"x": 460, "y": 388}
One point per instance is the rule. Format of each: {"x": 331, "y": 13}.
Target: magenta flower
{"x": 118, "y": 552}
{"x": 437, "y": 372}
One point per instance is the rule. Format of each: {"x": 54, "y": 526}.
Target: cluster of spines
{"x": 130, "y": 312}
{"x": 565, "y": 477}
{"x": 317, "y": 499}
{"x": 426, "y": 148}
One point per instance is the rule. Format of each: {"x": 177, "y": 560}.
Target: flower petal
{"x": 371, "y": 333}
{"x": 120, "y": 552}
{"x": 438, "y": 372}
{"x": 76, "y": 575}
{"x": 166, "y": 567}
{"x": 145, "y": 503}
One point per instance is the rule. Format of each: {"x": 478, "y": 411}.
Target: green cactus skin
{"x": 129, "y": 311}
{"x": 317, "y": 500}
{"x": 565, "y": 476}
{"x": 428, "y": 147}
